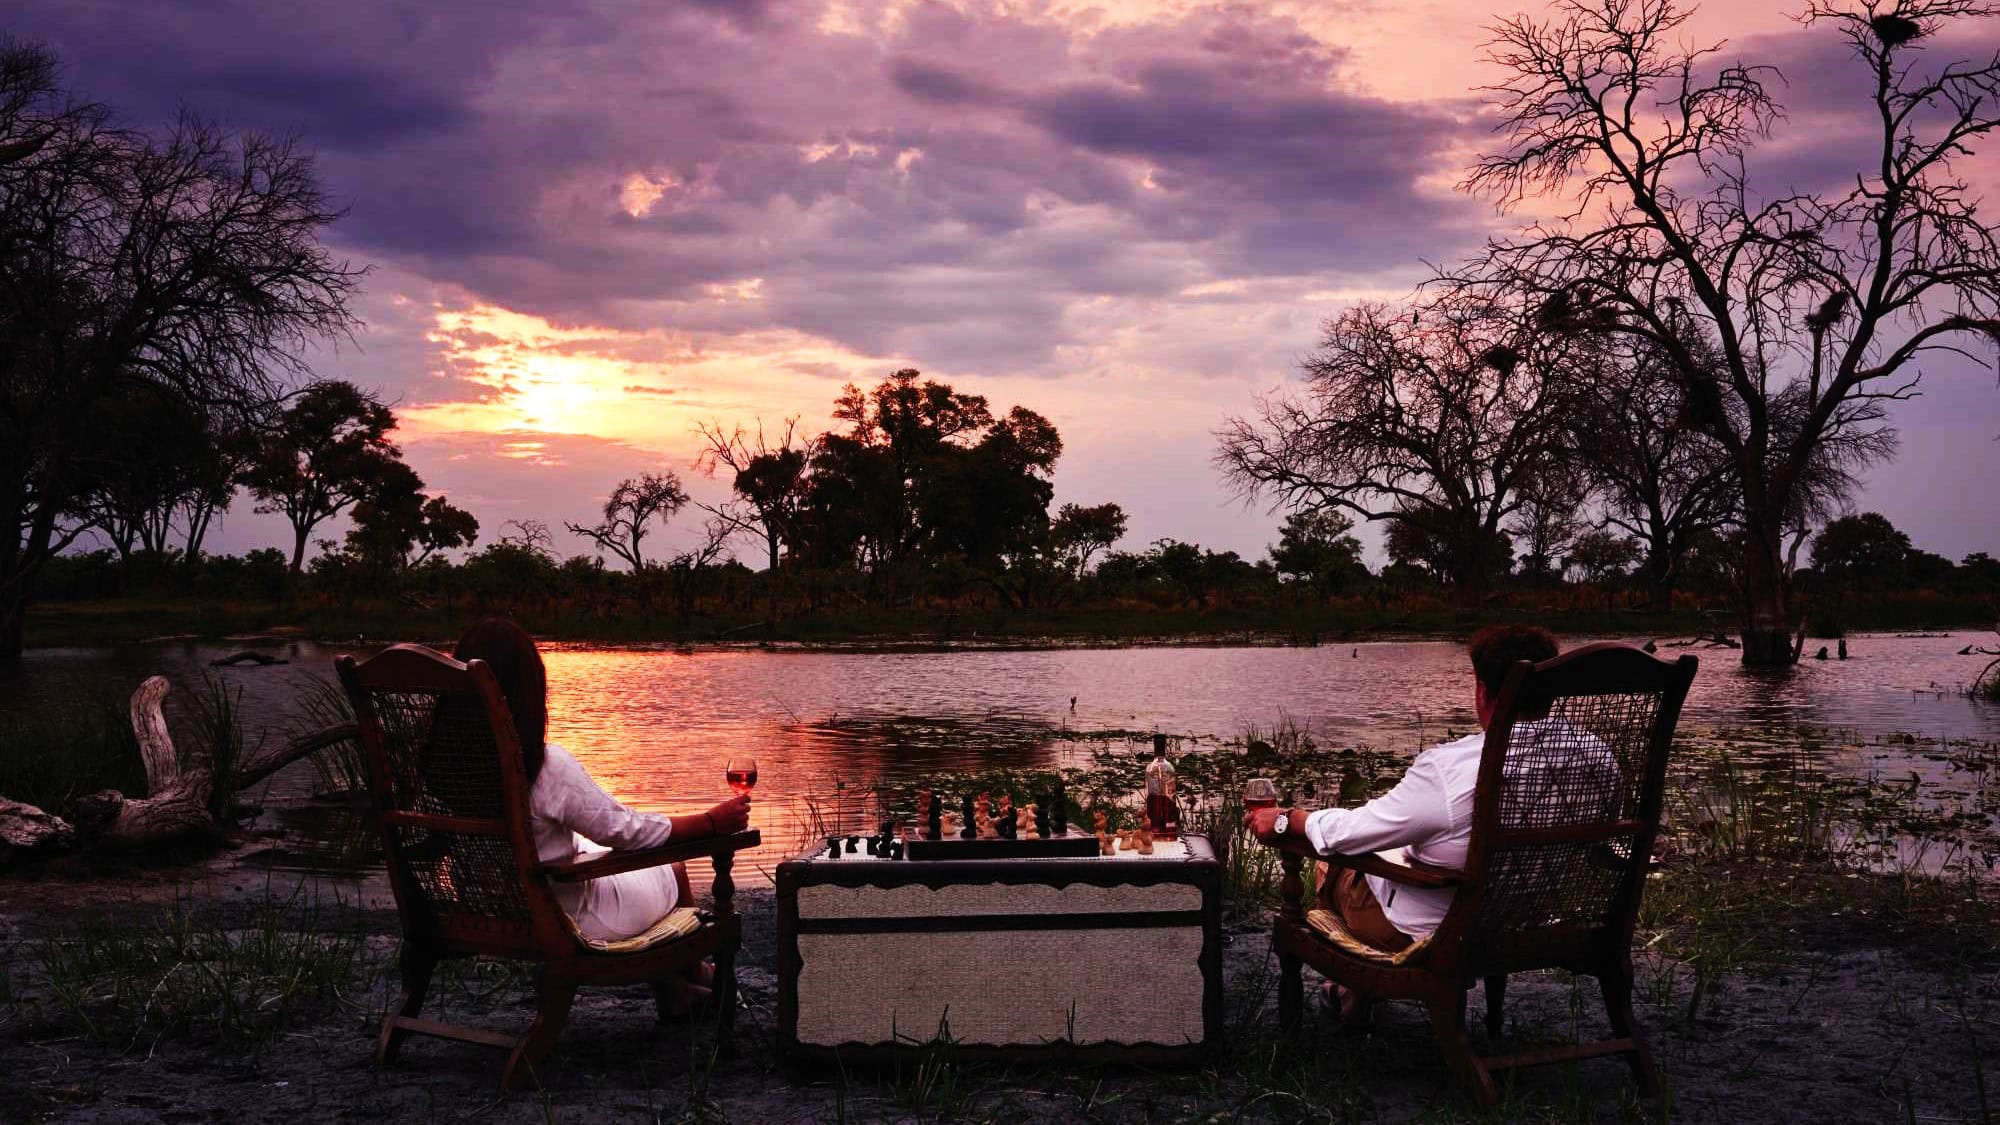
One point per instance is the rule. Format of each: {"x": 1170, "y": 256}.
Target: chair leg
{"x": 1448, "y": 1020}
{"x": 725, "y": 999}
{"x": 417, "y": 965}
{"x": 1617, "y": 985}
{"x": 553, "y": 1010}
{"x": 1291, "y": 992}
{"x": 1496, "y": 1003}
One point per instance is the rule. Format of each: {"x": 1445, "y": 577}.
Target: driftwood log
{"x": 26, "y": 830}
{"x": 180, "y": 788}
{"x": 247, "y": 656}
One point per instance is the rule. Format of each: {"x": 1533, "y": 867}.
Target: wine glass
{"x": 741, "y": 773}
{"x": 1260, "y": 793}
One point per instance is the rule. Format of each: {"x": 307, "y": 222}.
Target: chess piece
{"x": 1059, "y": 809}
{"x": 965, "y": 818}
{"x": 1161, "y": 814}
{"x": 1125, "y": 839}
{"x": 868, "y": 845}
{"x": 1024, "y": 823}
{"x": 1142, "y": 841}
{"x": 982, "y": 816}
{"x": 933, "y": 824}
{"x": 1042, "y": 825}
{"x": 925, "y": 807}
{"x": 852, "y": 842}
{"x": 950, "y": 825}
{"x": 1004, "y": 817}
{"x": 833, "y": 847}
{"x": 1105, "y": 844}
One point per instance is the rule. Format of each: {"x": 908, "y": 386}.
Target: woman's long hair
{"x": 511, "y": 653}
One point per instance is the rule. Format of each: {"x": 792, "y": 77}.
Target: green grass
{"x": 192, "y": 972}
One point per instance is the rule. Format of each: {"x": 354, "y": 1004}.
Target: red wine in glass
{"x": 741, "y": 773}
{"x": 1260, "y": 793}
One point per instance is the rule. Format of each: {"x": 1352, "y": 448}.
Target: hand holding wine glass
{"x": 733, "y": 815}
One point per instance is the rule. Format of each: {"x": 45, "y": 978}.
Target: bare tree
{"x": 1661, "y": 479}
{"x": 633, "y": 505}
{"x": 189, "y": 263}
{"x": 772, "y": 479}
{"x": 1550, "y": 517}
{"x": 1435, "y": 419}
{"x": 1819, "y": 303}
{"x": 685, "y": 570}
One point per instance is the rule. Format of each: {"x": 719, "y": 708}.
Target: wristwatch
{"x": 1283, "y": 824}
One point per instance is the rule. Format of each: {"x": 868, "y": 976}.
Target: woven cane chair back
{"x": 1569, "y": 800}
{"x": 451, "y": 791}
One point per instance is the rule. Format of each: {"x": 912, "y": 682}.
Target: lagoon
{"x": 655, "y": 724}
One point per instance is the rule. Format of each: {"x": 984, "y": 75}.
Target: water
{"x": 655, "y": 725}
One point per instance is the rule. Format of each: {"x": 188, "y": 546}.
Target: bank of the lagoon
{"x": 1297, "y": 621}
{"x": 1821, "y": 942}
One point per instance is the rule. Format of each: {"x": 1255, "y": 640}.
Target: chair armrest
{"x": 1410, "y": 874}
{"x": 673, "y": 851}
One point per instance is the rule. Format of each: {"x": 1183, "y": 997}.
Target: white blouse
{"x": 570, "y": 812}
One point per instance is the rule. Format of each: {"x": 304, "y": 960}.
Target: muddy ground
{"x": 1847, "y": 1034}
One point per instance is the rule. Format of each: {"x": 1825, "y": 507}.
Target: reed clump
{"x": 195, "y": 971}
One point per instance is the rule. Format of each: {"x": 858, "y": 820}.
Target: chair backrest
{"x": 1571, "y": 782}
{"x": 449, "y": 788}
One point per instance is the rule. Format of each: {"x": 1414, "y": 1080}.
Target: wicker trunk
{"x": 1107, "y": 957}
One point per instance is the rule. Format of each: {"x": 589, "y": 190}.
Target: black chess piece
{"x": 895, "y": 849}
{"x": 870, "y": 844}
{"x": 852, "y": 842}
{"x": 833, "y": 847}
{"x": 1042, "y": 821}
{"x": 934, "y": 827}
{"x": 967, "y": 829}
{"x": 1059, "y": 810}
{"x": 1005, "y": 822}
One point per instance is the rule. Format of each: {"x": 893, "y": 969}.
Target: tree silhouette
{"x": 327, "y": 450}
{"x": 189, "y": 263}
{"x": 1435, "y": 420}
{"x": 1078, "y": 532}
{"x": 633, "y": 505}
{"x": 771, "y": 479}
{"x": 1314, "y": 547}
{"x": 397, "y": 519}
{"x": 1818, "y": 304}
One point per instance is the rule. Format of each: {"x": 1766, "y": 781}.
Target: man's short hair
{"x": 1496, "y": 648}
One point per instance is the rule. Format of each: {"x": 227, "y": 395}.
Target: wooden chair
{"x": 451, "y": 793}
{"x": 1561, "y": 838}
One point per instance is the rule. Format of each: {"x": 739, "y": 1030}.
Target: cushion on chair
{"x": 1328, "y": 925}
{"x": 678, "y": 923}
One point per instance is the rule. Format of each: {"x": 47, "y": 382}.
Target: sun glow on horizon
{"x": 524, "y": 377}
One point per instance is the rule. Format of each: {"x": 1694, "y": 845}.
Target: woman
{"x": 567, "y": 808}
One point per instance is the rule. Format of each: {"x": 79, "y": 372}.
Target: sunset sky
{"x": 592, "y": 225}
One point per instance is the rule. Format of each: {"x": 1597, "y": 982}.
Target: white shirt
{"x": 1427, "y": 817}
{"x": 569, "y": 811}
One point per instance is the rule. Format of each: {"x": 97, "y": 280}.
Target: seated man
{"x": 1428, "y": 815}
